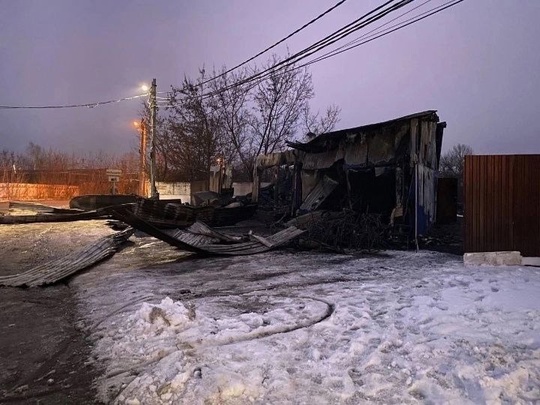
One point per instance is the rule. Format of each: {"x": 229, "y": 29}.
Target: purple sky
{"x": 477, "y": 63}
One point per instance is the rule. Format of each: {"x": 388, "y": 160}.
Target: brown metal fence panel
{"x": 502, "y": 203}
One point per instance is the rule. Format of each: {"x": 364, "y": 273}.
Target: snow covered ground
{"x": 306, "y": 328}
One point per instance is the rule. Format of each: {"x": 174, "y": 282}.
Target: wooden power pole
{"x": 142, "y": 163}
{"x": 153, "y": 116}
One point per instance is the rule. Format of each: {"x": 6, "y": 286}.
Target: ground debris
{"x": 346, "y": 229}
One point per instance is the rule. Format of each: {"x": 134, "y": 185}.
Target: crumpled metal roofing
{"x": 58, "y": 269}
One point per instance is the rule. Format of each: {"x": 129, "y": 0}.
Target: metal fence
{"x": 502, "y": 203}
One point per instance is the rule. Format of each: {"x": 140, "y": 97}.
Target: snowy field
{"x": 306, "y": 328}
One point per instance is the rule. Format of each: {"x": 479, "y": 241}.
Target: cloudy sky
{"x": 477, "y": 63}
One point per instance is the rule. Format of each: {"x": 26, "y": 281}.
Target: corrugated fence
{"x": 23, "y": 191}
{"x": 502, "y": 203}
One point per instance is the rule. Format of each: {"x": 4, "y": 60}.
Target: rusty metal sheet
{"x": 167, "y": 214}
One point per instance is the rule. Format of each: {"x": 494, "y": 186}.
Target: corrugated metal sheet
{"x": 255, "y": 246}
{"x": 318, "y": 194}
{"x": 58, "y": 269}
{"x": 502, "y": 203}
{"x": 202, "y": 244}
{"x": 175, "y": 215}
{"x": 194, "y": 239}
{"x": 203, "y": 229}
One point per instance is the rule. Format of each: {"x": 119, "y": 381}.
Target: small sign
{"x": 114, "y": 179}
{"x": 114, "y": 172}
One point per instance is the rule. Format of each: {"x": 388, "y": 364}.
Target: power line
{"x": 379, "y": 27}
{"x": 338, "y": 51}
{"x": 389, "y": 30}
{"x": 89, "y": 105}
{"x": 92, "y": 105}
{"x": 277, "y": 43}
{"x": 348, "y": 29}
{"x": 290, "y": 61}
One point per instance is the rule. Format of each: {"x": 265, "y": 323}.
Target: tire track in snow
{"x": 270, "y": 331}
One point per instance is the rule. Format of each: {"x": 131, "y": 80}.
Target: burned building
{"x": 388, "y": 168}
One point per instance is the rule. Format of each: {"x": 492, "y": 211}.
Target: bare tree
{"x": 279, "y": 103}
{"x": 231, "y": 103}
{"x": 316, "y": 124}
{"x": 236, "y": 120}
{"x": 194, "y": 130}
{"x": 452, "y": 162}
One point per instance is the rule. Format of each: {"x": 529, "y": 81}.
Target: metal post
{"x": 153, "y": 113}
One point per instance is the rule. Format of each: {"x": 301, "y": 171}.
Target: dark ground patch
{"x": 43, "y": 357}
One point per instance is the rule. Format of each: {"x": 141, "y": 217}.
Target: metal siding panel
{"x": 526, "y": 202}
{"x": 502, "y": 203}
{"x": 466, "y": 205}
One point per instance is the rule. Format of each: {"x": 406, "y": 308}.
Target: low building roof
{"x": 330, "y": 140}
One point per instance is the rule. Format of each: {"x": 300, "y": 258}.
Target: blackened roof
{"x": 330, "y": 140}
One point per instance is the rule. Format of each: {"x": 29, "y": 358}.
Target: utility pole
{"x": 153, "y": 114}
{"x": 142, "y": 163}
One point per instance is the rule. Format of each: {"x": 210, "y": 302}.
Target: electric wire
{"x": 348, "y": 29}
{"x": 301, "y": 55}
{"x": 374, "y": 36}
{"x": 275, "y": 44}
{"x": 374, "y": 30}
{"x": 389, "y": 30}
{"x": 89, "y": 105}
{"x": 321, "y": 44}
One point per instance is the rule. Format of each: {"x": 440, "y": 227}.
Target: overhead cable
{"x": 387, "y": 31}
{"x": 348, "y": 29}
{"x": 370, "y": 38}
{"x": 89, "y": 105}
{"x": 275, "y": 44}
